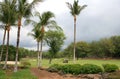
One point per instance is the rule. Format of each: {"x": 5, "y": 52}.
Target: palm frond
{"x": 83, "y": 7}
{"x": 69, "y": 5}
{"x": 2, "y": 26}
{"x": 75, "y": 8}
{"x": 29, "y": 21}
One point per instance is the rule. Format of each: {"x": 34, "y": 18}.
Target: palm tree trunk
{"x": 74, "y": 58}
{"x": 6, "y": 59}
{"x": 3, "y": 45}
{"x": 17, "y": 46}
{"x": 38, "y": 61}
{"x": 41, "y": 54}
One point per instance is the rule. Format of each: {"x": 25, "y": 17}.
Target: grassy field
{"x": 26, "y": 73}
{"x": 21, "y": 74}
{"x": 45, "y": 62}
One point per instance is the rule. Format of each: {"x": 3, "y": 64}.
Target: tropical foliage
{"x": 55, "y": 40}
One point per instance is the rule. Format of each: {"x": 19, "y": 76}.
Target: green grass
{"x": 45, "y": 62}
{"x": 2, "y": 74}
{"x": 26, "y": 73}
{"x": 21, "y": 74}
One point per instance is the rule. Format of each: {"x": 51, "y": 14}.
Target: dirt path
{"x": 43, "y": 74}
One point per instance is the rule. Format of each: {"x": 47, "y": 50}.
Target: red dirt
{"x": 43, "y": 74}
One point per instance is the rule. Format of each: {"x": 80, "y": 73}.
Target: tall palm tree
{"x": 36, "y": 34}
{"x": 75, "y": 10}
{"x": 7, "y": 8}
{"x": 24, "y": 10}
{"x": 5, "y": 29}
{"x": 45, "y": 20}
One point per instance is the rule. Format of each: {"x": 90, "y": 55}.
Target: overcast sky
{"x": 101, "y": 18}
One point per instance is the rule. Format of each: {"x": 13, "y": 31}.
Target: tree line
{"x": 23, "y": 53}
{"x": 104, "y": 48}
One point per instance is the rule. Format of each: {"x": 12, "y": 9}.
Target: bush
{"x": 90, "y": 69}
{"x": 54, "y": 68}
{"x": 75, "y": 69}
{"x": 110, "y": 67}
{"x": 25, "y": 64}
{"x": 71, "y": 69}
{"x": 66, "y": 69}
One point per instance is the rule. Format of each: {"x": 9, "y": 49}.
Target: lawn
{"x": 26, "y": 73}
{"x": 21, "y": 74}
{"x": 45, "y": 62}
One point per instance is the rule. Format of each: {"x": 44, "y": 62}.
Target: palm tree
{"x": 7, "y": 11}
{"x": 24, "y": 10}
{"x": 75, "y": 10}
{"x": 5, "y": 29}
{"x": 45, "y": 20}
{"x": 36, "y": 34}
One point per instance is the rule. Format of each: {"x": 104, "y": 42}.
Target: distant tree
{"x": 96, "y": 50}
{"x": 107, "y": 46}
{"x": 75, "y": 10}
{"x": 116, "y": 43}
{"x": 68, "y": 51}
{"x": 23, "y": 53}
{"x": 55, "y": 40}
{"x": 82, "y": 49}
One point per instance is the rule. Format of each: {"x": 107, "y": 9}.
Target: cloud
{"x": 98, "y": 20}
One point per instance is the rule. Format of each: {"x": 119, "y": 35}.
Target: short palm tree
{"x": 75, "y": 10}
{"x": 45, "y": 20}
{"x": 36, "y": 34}
{"x": 7, "y": 8}
{"x": 24, "y": 10}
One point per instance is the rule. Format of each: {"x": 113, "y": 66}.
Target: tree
{"x": 22, "y": 53}
{"x": 116, "y": 42}
{"x": 82, "y": 49}
{"x": 75, "y": 10}
{"x": 55, "y": 40}
{"x": 68, "y": 52}
{"x": 37, "y": 36}
{"x": 5, "y": 29}
{"x": 96, "y": 50}
{"x": 7, "y": 11}
{"x": 107, "y": 46}
{"x": 24, "y": 10}
{"x": 45, "y": 20}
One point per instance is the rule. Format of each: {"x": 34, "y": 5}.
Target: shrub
{"x": 25, "y": 64}
{"x": 71, "y": 69}
{"x": 76, "y": 69}
{"x": 90, "y": 69}
{"x": 110, "y": 67}
{"x": 66, "y": 69}
{"x": 54, "y": 68}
